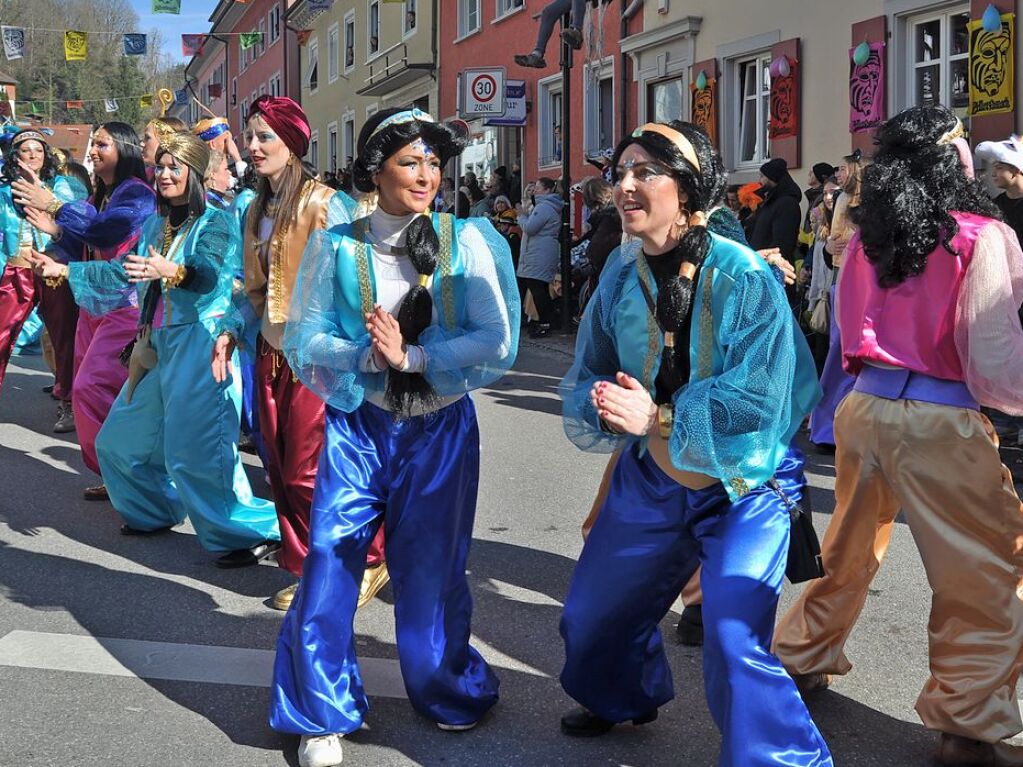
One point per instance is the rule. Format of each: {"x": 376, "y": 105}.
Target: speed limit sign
{"x": 482, "y": 92}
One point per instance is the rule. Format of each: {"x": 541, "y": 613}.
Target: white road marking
{"x": 164, "y": 660}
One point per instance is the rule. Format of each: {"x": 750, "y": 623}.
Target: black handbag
{"x": 804, "y": 561}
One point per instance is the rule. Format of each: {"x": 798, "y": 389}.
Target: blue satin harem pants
{"x": 648, "y": 539}
{"x": 419, "y": 478}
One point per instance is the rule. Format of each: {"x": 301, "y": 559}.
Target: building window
{"x": 333, "y": 52}
{"x": 549, "y": 124}
{"x": 275, "y": 84}
{"x": 410, "y": 17}
{"x": 349, "y": 41}
{"x": 468, "y": 16}
{"x": 275, "y": 23}
{"x": 262, "y": 89}
{"x": 314, "y": 150}
{"x": 261, "y": 44}
{"x": 313, "y": 65}
{"x": 507, "y": 6}
{"x": 243, "y": 112}
{"x": 242, "y": 53}
{"x": 332, "y": 147}
{"x": 599, "y": 122}
{"x": 373, "y": 30}
{"x": 348, "y": 139}
{"x": 664, "y": 100}
{"x": 234, "y": 93}
{"x": 939, "y": 51}
{"x": 752, "y": 89}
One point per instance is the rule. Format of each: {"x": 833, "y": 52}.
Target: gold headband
{"x": 957, "y": 131}
{"x": 676, "y": 138}
{"x": 186, "y": 148}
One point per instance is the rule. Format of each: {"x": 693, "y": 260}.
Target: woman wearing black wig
{"x": 926, "y": 308}
{"x": 398, "y": 315}
{"x": 689, "y": 362}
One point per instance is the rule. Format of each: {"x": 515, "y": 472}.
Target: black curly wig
{"x": 704, "y": 188}
{"x": 12, "y": 171}
{"x": 909, "y": 192}
{"x": 407, "y": 390}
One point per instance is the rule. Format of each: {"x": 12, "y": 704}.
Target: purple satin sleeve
{"x": 131, "y": 203}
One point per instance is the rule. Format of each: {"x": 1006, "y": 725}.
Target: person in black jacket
{"x": 779, "y": 216}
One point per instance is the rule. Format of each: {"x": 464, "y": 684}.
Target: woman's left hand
{"x": 626, "y": 406}
{"x": 774, "y": 257}
{"x": 42, "y": 221}
{"x": 155, "y": 267}
{"x": 29, "y": 191}
{"x": 386, "y": 337}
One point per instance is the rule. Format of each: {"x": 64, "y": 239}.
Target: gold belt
{"x": 277, "y": 358}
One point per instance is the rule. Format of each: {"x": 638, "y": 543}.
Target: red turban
{"x": 287, "y": 119}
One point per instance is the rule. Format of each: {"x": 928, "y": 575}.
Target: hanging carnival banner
{"x": 76, "y": 105}
{"x": 705, "y": 104}
{"x": 992, "y": 53}
{"x": 146, "y": 101}
{"x": 192, "y": 45}
{"x": 320, "y": 5}
{"x": 134, "y": 44}
{"x": 14, "y": 42}
{"x": 248, "y": 39}
{"x": 167, "y": 6}
{"x": 75, "y": 45}
{"x": 784, "y": 107}
{"x": 110, "y": 105}
{"x": 181, "y": 97}
{"x": 866, "y": 87}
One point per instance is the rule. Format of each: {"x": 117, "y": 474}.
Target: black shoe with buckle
{"x": 532, "y": 60}
{"x": 690, "y": 626}
{"x": 581, "y": 723}
{"x": 248, "y": 557}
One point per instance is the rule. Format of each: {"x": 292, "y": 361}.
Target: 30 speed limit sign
{"x": 483, "y": 92}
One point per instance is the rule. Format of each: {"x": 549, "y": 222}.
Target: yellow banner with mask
{"x": 991, "y": 62}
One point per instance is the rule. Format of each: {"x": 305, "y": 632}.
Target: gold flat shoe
{"x": 374, "y": 579}
{"x": 283, "y": 598}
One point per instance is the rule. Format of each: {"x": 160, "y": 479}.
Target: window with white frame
{"x": 242, "y": 56}
{"x": 939, "y": 53}
{"x": 371, "y": 110}
{"x": 253, "y": 96}
{"x": 752, "y": 93}
{"x": 332, "y": 158}
{"x": 410, "y": 20}
{"x": 314, "y": 150}
{"x": 243, "y": 111}
{"x": 664, "y": 100}
{"x": 349, "y": 41}
{"x": 333, "y": 51}
{"x": 261, "y": 42}
{"x": 599, "y": 103}
{"x": 348, "y": 138}
{"x": 262, "y": 89}
{"x": 234, "y": 92}
{"x": 507, "y": 6}
{"x": 313, "y": 65}
{"x": 275, "y": 84}
{"x": 468, "y": 16}
{"x": 373, "y": 28}
{"x": 549, "y": 121}
{"x": 274, "y": 19}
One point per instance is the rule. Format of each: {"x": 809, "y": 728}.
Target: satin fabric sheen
{"x": 648, "y": 539}
{"x": 173, "y": 451}
{"x": 99, "y": 374}
{"x": 419, "y": 479}
{"x": 940, "y": 465}
{"x": 20, "y": 291}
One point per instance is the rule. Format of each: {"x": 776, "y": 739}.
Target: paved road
{"x": 124, "y": 651}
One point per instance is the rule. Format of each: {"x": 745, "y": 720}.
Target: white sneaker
{"x": 320, "y": 751}
{"x": 456, "y": 727}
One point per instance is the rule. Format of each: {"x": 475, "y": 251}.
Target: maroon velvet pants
{"x": 20, "y": 290}
{"x": 291, "y": 418}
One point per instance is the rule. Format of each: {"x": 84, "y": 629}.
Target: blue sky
{"x": 194, "y": 18}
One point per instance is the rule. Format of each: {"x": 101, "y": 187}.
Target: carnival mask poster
{"x": 866, "y": 90}
{"x": 991, "y": 60}
{"x": 784, "y": 122}
{"x": 14, "y": 42}
{"x": 705, "y": 107}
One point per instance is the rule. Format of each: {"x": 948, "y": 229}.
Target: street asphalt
{"x": 125, "y": 651}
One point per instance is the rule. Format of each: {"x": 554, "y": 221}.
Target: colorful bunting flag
{"x": 320, "y": 5}
{"x": 14, "y": 42}
{"x": 248, "y": 39}
{"x": 75, "y": 105}
{"x": 192, "y": 45}
{"x": 215, "y": 90}
{"x": 110, "y": 105}
{"x": 35, "y": 109}
{"x": 134, "y": 44}
{"x": 146, "y": 101}
{"x": 181, "y": 97}
{"x": 75, "y": 45}
{"x": 167, "y": 6}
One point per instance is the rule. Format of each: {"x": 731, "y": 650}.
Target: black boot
{"x": 690, "y": 627}
{"x": 581, "y": 723}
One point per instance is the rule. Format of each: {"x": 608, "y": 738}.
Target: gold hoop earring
{"x": 291, "y": 160}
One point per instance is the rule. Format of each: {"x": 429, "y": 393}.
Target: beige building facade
{"x": 358, "y": 57}
{"x": 735, "y": 42}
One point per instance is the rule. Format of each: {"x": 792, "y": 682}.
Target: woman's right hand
{"x": 220, "y": 360}
{"x": 45, "y": 266}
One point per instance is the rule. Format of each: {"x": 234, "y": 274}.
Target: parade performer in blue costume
{"x": 689, "y": 360}
{"x": 168, "y": 448}
{"x": 399, "y": 315}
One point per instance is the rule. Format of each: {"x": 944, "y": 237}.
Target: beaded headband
{"x": 398, "y": 118}
{"x": 28, "y": 135}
